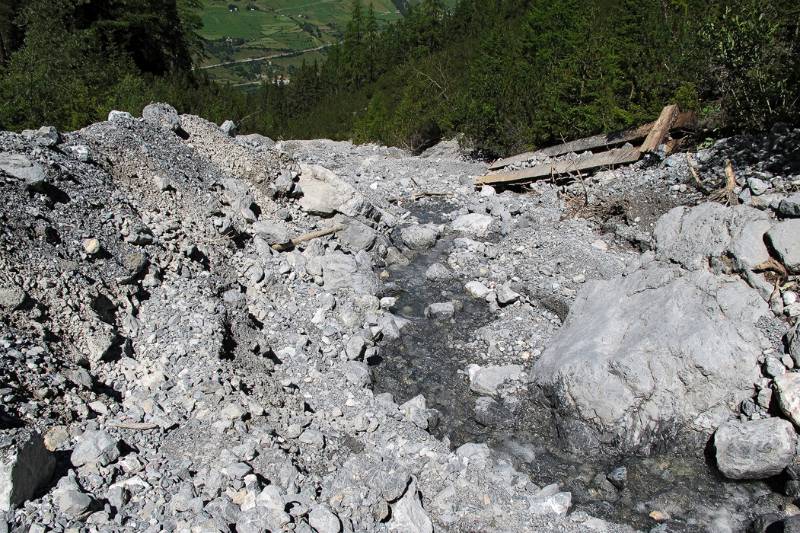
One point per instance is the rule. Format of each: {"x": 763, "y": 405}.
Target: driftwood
{"x": 139, "y": 426}
{"x": 282, "y": 247}
{"x": 772, "y": 265}
{"x": 726, "y": 195}
{"x": 683, "y": 120}
{"x": 611, "y": 158}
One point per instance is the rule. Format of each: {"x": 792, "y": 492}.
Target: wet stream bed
{"x": 665, "y": 492}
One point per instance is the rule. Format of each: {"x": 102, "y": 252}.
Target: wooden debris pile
{"x": 651, "y": 135}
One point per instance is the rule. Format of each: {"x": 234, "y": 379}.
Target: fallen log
{"x": 282, "y": 247}
{"x": 618, "y": 156}
{"x": 683, "y": 120}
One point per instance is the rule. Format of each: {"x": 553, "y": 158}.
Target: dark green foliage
{"x": 508, "y": 74}
{"x": 513, "y": 74}
{"x": 81, "y": 58}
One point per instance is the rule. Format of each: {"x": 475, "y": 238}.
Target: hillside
{"x": 205, "y": 332}
{"x": 293, "y": 30}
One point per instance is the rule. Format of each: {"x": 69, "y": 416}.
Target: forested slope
{"x": 508, "y": 74}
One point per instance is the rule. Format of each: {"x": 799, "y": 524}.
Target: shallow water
{"x": 431, "y": 358}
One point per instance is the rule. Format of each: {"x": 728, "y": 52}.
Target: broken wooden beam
{"x": 618, "y": 156}
{"x": 660, "y": 129}
{"x": 685, "y": 119}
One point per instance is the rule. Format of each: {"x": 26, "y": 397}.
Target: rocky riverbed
{"x": 614, "y": 355}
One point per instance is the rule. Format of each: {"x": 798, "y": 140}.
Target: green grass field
{"x": 265, "y": 27}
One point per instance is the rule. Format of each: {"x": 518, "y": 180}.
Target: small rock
{"x": 506, "y": 296}
{"x": 440, "y": 311}
{"x": 312, "y": 437}
{"x": 357, "y": 373}
{"x": 618, "y": 477}
{"x": 473, "y": 224}
{"x": 119, "y": 116}
{"x": 91, "y": 246}
{"x": 229, "y": 128}
{"x": 756, "y": 449}
{"x": 488, "y": 380}
{"x": 757, "y": 186}
{"x": 11, "y": 298}
{"x": 476, "y": 289}
{"x": 790, "y": 207}
{"x": 355, "y": 347}
{"x": 71, "y": 500}
{"x": 773, "y": 367}
{"x": 420, "y": 237}
{"x": 95, "y": 447}
{"x": 787, "y": 388}
{"x": 408, "y": 515}
{"x": 323, "y": 520}
{"x": 784, "y": 238}
{"x": 438, "y": 272}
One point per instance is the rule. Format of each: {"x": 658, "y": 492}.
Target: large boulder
{"x": 670, "y": 360}
{"x": 163, "y": 116}
{"x": 787, "y": 388}
{"x": 26, "y": 466}
{"x": 324, "y": 194}
{"x": 692, "y": 237}
{"x": 474, "y": 224}
{"x": 755, "y": 449}
{"x": 344, "y": 271}
{"x": 785, "y": 240}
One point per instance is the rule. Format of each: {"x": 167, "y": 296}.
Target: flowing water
{"x": 431, "y": 358}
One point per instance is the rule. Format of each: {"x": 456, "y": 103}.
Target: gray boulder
{"x": 272, "y": 232}
{"x": 474, "y": 224}
{"x": 787, "y": 388}
{"x": 357, "y": 236}
{"x": 323, "y": 520}
{"x": 488, "y": 380}
{"x": 343, "y": 271}
{"x": 45, "y": 136}
{"x": 438, "y": 272}
{"x": 790, "y": 207}
{"x": 95, "y": 447}
{"x": 22, "y": 168}
{"x": 420, "y": 236}
{"x": 440, "y": 310}
{"x": 670, "y": 360}
{"x": 692, "y": 236}
{"x": 11, "y": 297}
{"x": 229, "y": 128}
{"x": 784, "y": 238}
{"x": 26, "y": 466}
{"x": 755, "y": 449}
{"x": 71, "y": 499}
{"x": 119, "y": 116}
{"x": 324, "y": 193}
{"x": 162, "y": 115}
{"x": 408, "y": 515}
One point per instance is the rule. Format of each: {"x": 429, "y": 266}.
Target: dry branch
{"x": 282, "y": 247}
{"x": 726, "y": 195}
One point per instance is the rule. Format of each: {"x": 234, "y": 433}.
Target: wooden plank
{"x": 685, "y": 119}
{"x": 660, "y": 129}
{"x": 618, "y": 156}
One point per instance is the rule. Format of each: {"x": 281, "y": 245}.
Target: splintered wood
{"x": 653, "y": 135}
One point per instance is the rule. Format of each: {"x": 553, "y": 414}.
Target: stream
{"x": 666, "y": 492}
